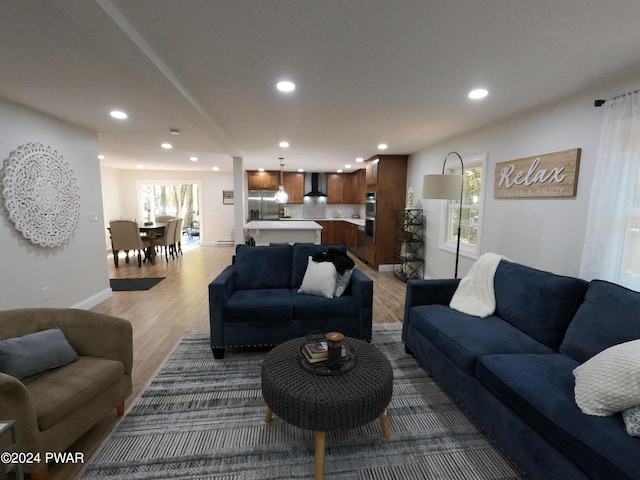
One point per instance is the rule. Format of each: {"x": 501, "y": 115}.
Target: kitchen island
{"x": 268, "y": 232}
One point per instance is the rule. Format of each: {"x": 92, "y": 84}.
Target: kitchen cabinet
{"x": 351, "y": 237}
{"x": 358, "y": 186}
{"x": 294, "y": 186}
{"x": 333, "y": 231}
{"x": 371, "y": 171}
{"x": 390, "y": 187}
{"x": 267, "y": 180}
{"x": 338, "y": 188}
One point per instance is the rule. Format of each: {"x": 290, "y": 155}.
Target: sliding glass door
{"x": 180, "y": 199}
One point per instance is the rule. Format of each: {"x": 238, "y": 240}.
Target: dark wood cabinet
{"x": 351, "y": 237}
{"x": 358, "y": 186}
{"x": 390, "y": 187}
{"x": 371, "y": 170}
{"x": 294, "y": 186}
{"x": 339, "y": 188}
{"x": 267, "y": 180}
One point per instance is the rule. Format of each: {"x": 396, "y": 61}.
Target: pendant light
{"x": 281, "y": 196}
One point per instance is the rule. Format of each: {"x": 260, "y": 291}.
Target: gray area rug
{"x": 202, "y": 418}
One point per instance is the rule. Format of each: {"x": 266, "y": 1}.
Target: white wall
{"x": 121, "y": 198}
{"x": 543, "y": 233}
{"x": 76, "y": 272}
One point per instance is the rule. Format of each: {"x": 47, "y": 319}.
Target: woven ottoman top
{"x": 326, "y": 403}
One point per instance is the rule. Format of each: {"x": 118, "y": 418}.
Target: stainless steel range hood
{"x": 315, "y": 184}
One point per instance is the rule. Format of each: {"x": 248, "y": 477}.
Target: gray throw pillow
{"x": 631, "y": 418}
{"x": 36, "y": 352}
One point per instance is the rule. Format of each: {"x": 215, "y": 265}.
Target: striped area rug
{"x": 202, "y": 418}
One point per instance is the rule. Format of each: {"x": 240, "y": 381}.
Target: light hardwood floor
{"x": 161, "y": 316}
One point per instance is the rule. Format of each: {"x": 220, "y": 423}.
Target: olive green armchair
{"x": 52, "y": 409}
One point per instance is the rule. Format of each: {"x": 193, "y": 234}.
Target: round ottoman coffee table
{"x": 324, "y": 403}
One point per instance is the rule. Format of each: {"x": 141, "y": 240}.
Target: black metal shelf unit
{"x": 409, "y": 260}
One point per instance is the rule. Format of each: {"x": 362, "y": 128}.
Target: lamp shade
{"x": 442, "y": 186}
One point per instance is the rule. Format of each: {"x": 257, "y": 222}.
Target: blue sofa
{"x": 255, "y": 301}
{"x": 513, "y": 370}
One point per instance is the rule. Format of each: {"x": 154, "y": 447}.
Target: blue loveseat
{"x": 255, "y": 301}
{"x": 513, "y": 370}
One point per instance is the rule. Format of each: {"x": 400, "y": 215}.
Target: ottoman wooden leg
{"x": 384, "y": 423}
{"x": 320, "y": 444}
{"x": 267, "y": 417}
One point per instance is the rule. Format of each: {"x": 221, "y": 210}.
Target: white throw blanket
{"x": 475, "y": 294}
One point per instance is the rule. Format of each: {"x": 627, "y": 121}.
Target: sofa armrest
{"x": 15, "y": 404}
{"x": 220, "y": 290}
{"x": 362, "y": 290}
{"x": 428, "y": 292}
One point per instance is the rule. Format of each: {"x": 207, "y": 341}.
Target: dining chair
{"x": 168, "y": 239}
{"x": 125, "y": 235}
{"x": 164, "y": 218}
{"x": 177, "y": 245}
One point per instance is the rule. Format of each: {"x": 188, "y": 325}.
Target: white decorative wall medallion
{"x": 41, "y": 195}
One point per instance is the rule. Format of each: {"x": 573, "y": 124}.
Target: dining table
{"x": 152, "y": 230}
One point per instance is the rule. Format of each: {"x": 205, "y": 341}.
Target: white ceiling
{"x": 367, "y": 71}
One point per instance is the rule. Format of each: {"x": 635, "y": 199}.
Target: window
{"x": 630, "y": 262}
{"x": 612, "y": 238}
{"x": 169, "y": 198}
{"x": 471, "y": 211}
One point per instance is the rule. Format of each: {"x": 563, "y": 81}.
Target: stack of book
{"x": 318, "y": 351}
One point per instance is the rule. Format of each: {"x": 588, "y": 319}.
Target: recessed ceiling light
{"x": 284, "y": 144}
{"x": 261, "y": 169}
{"x": 339, "y": 171}
{"x": 140, "y": 167}
{"x": 286, "y": 86}
{"x": 193, "y": 159}
{"x": 478, "y": 93}
{"x": 301, "y": 170}
{"x": 383, "y": 146}
{"x": 347, "y": 166}
{"x": 215, "y": 169}
{"x": 167, "y": 146}
{"x": 119, "y": 114}
{"x": 100, "y": 157}
{"x": 359, "y": 159}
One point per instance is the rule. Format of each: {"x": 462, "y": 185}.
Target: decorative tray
{"x": 346, "y": 363}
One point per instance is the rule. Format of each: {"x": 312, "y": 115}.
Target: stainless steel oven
{"x": 370, "y": 205}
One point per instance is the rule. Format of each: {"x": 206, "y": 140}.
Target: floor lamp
{"x": 446, "y": 186}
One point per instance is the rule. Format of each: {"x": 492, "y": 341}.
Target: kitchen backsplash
{"x": 324, "y": 210}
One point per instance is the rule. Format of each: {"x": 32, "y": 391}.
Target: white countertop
{"x": 278, "y": 225}
{"x": 355, "y": 221}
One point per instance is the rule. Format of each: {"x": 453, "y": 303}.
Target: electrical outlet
{"x": 45, "y": 293}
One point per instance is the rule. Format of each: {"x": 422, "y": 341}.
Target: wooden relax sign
{"x": 550, "y": 175}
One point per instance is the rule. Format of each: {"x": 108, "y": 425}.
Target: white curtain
{"x": 612, "y": 249}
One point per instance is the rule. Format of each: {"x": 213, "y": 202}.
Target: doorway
{"x": 178, "y": 198}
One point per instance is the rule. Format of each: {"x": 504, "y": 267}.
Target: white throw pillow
{"x": 609, "y": 382}
{"x": 319, "y": 279}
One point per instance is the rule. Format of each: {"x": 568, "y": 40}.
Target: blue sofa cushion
{"x": 539, "y": 388}
{"x": 539, "y": 303}
{"x": 265, "y": 304}
{"x": 464, "y": 338}
{"x": 301, "y": 254}
{"x": 315, "y": 307}
{"x": 263, "y": 267}
{"x": 608, "y": 316}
